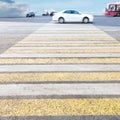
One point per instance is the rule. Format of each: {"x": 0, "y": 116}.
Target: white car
{"x": 72, "y": 16}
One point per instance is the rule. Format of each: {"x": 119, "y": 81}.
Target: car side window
{"x": 74, "y": 12}
{"x": 71, "y": 12}
{"x": 68, "y": 12}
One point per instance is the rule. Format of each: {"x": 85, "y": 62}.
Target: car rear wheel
{"x": 118, "y": 14}
{"x": 61, "y": 20}
{"x": 86, "y": 20}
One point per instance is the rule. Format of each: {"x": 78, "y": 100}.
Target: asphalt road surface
{"x": 51, "y": 71}
{"x": 110, "y": 25}
{"x": 15, "y": 29}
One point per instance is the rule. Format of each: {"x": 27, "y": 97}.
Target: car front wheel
{"x": 61, "y": 20}
{"x": 86, "y": 20}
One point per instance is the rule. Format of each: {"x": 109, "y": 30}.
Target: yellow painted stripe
{"x": 62, "y": 51}
{"x": 59, "y": 107}
{"x": 59, "y": 60}
{"x": 69, "y": 38}
{"x": 59, "y": 77}
{"x": 61, "y": 45}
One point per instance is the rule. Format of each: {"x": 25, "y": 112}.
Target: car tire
{"x": 61, "y": 20}
{"x": 117, "y": 15}
{"x": 27, "y": 15}
{"x": 85, "y": 20}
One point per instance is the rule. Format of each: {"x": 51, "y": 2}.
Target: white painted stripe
{"x": 69, "y": 26}
{"x": 51, "y": 25}
{"x": 64, "y": 89}
{"x": 70, "y": 35}
{"x": 90, "y": 37}
{"x": 68, "y": 42}
{"x": 66, "y": 48}
{"x": 68, "y": 32}
{"x": 59, "y": 68}
{"x": 61, "y": 55}
{"x": 70, "y": 29}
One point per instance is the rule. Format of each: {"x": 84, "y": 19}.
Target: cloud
{"x": 8, "y": 8}
{"x": 64, "y": 4}
{"x": 8, "y": 1}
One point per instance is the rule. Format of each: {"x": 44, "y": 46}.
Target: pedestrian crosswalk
{"x": 61, "y": 107}
{"x": 61, "y": 71}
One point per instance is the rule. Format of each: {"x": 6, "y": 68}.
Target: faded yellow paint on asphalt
{"x": 62, "y": 45}
{"x": 59, "y": 107}
{"x": 69, "y": 38}
{"x": 59, "y": 77}
{"x": 58, "y": 60}
{"x": 62, "y": 51}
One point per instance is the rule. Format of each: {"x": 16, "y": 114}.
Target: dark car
{"x": 52, "y": 13}
{"x": 30, "y": 14}
{"x": 45, "y": 14}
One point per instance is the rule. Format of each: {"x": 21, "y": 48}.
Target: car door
{"x": 76, "y": 16}
{"x": 68, "y": 16}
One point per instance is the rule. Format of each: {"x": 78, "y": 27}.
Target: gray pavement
{"x": 110, "y": 25}
{"x": 48, "y": 55}
{"x": 87, "y": 117}
{"x": 15, "y": 29}
{"x": 41, "y": 88}
{"x": 59, "y": 68}
{"x": 16, "y": 90}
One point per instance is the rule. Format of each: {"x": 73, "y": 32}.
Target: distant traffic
{"x": 113, "y": 9}
{"x": 32, "y": 14}
{"x": 72, "y": 16}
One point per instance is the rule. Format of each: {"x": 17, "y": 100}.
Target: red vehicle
{"x": 113, "y": 9}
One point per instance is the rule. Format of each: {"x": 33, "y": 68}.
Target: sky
{"x": 20, "y": 7}
{"x": 10, "y": 8}
{"x": 95, "y": 6}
